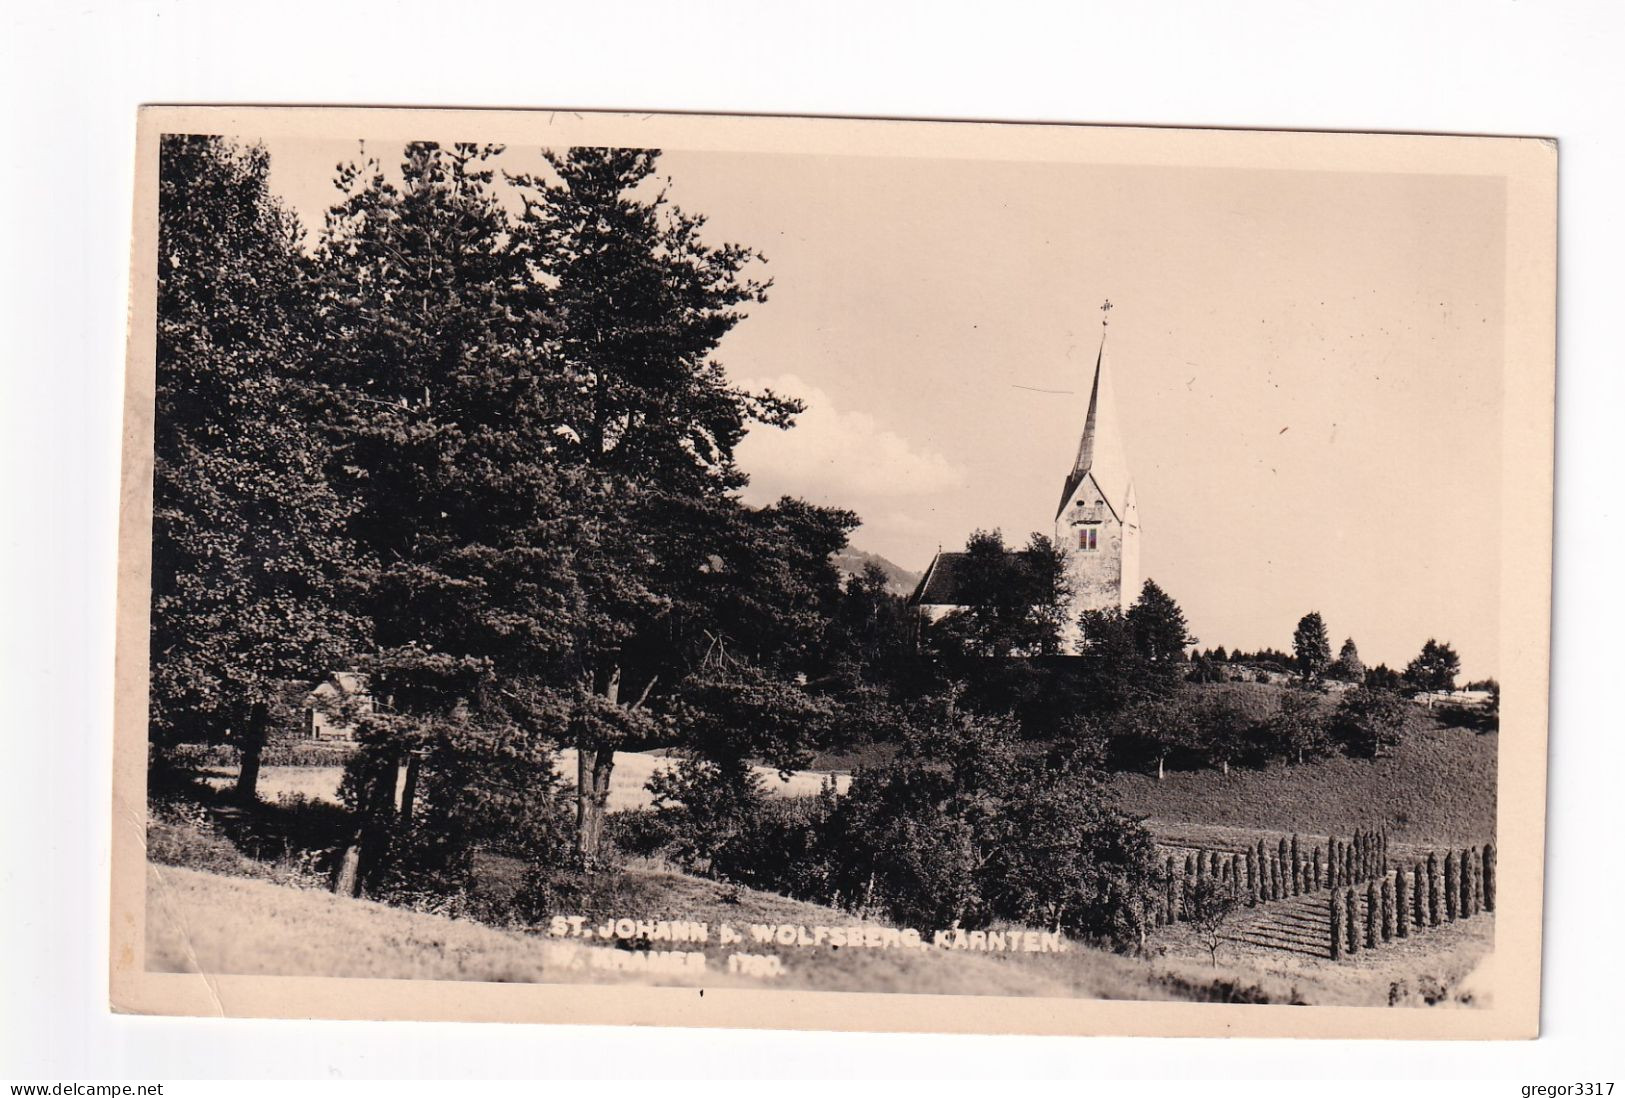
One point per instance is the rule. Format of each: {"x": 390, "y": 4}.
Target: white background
{"x": 73, "y": 76}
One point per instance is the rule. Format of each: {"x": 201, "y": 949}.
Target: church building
{"x": 1097, "y": 522}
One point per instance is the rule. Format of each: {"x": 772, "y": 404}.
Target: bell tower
{"x": 1098, "y": 520}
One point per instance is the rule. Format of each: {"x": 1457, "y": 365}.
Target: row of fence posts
{"x": 1259, "y": 875}
{"x": 1422, "y": 897}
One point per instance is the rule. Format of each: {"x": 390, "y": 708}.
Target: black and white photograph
{"x": 757, "y": 566}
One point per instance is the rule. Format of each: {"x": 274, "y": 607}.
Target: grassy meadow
{"x": 211, "y": 923}
{"x": 1437, "y": 787}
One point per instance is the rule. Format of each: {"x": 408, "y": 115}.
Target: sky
{"x": 1307, "y": 368}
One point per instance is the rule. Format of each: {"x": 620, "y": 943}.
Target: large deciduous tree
{"x": 1014, "y": 602}
{"x": 1434, "y": 668}
{"x": 248, "y": 546}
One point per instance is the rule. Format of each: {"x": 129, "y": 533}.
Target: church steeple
{"x": 1098, "y": 521}
{"x": 1100, "y": 449}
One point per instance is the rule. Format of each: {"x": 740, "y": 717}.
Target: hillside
{"x": 1437, "y": 787}
{"x": 850, "y": 562}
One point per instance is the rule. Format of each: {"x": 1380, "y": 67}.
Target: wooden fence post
{"x": 1169, "y": 891}
{"x": 1452, "y": 889}
{"x": 1350, "y": 937}
{"x": 1419, "y": 918}
{"x": 1371, "y": 915}
{"x": 1337, "y": 926}
{"x": 1433, "y": 889}
{"x": 1402, "y": 914}
{"x": 1185, "y": 889}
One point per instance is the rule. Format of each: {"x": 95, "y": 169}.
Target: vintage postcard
{"x": 788, "y": 572}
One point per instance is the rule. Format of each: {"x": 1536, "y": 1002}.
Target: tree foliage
{"x": 249, "y": 546}
{"x": 1434, "y": 668}
{"x": 1013, "y": 603}
{"x": 1369, "y": 722}
{"x": 962, "y": 828}
{"x": 1311, "y": 648}
{"x": 1348, "y": 667}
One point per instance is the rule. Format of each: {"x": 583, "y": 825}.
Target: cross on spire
{"x": 1105, "y": 308}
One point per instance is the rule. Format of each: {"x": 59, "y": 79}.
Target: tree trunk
{"x": 346, "y": 875}
{"x": 377, "y": 830}
{"x": 409, "y": 793}
{"x": 595, "y": 762}
{"x": 1159, "y": 768}
{"x": 248, "y": 774}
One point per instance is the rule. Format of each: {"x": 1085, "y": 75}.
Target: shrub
{"x": 1297, "y": 868}
{"x": 1370, "y": 721}
{"x": 1213, "y": 909}
{"x": 1489, "y": 876}
{"x": 1465, "y": 870}
{"x": 706, "y": 806}
{"x": 1317, "y": 868}
{"x": 960, "y": 827}
{"x": 639, "y": 832}
{"x": 1252, "y": 879}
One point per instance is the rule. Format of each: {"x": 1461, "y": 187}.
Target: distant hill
{"x": 850, "y": 562}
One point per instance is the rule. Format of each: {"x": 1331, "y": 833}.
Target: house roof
{"x": 944, "y": 581}
{"x": 940, "y": 584}
{"x": 340, "y": 682}
{"x": 1100, "y": 449}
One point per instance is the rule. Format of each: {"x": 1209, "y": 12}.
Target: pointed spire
{"x": 1100, "y": 449}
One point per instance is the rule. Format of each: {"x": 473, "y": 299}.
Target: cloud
{"x": 837, "y": 457}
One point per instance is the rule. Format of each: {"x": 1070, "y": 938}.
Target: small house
{"x": 330, "y": 707}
